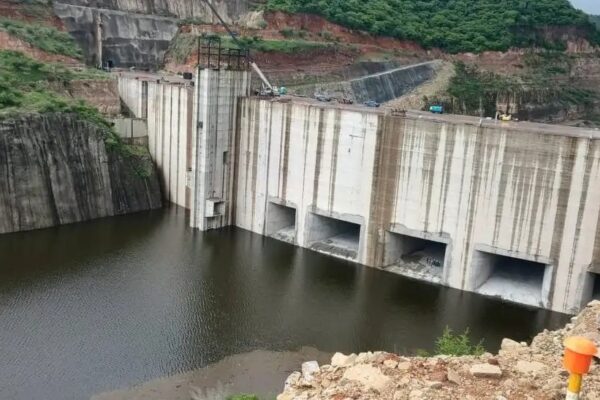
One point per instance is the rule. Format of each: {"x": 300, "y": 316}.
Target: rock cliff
{"x": 128, "y": 39}
{"x": 56, "y": 169}
{"x": 229, "y": 9}
{"x": 518, "y": 372}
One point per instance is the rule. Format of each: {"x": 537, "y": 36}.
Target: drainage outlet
{"x": 511, "y": 279}
{"x": 333, "y": 236}
{"x": 594, "y": 287}
{"x": 281, "y": 222}
{"x": 415, "y": 257}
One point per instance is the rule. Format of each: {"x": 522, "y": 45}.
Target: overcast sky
{"x": 589, "y": 6}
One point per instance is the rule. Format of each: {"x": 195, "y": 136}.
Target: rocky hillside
{"x": 518, "y": 372}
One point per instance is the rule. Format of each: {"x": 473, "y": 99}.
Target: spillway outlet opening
{"x": 415, "y": 257}
{"x": 281, "y": 222}
{"x": 333, "y": 236}
{"x": 512, "y": 279}
{"x": 595, "y": 285}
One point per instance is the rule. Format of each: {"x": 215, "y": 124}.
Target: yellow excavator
{"x": 504, "y": 117}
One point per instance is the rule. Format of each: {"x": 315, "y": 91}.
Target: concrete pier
{"x": 509, "y": 210}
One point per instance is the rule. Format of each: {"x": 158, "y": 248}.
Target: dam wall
{"x": 170, "y": 136}
{"x": 58, "y": 170}
{"x": 167, "y": 109}
{"x": 190, "y": 137}
{"x": 381, "y": 86}
{"x": 505, "y": 210}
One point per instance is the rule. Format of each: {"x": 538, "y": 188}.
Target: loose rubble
{"x": 518, "y": 372}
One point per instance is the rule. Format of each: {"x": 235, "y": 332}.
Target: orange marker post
{"x": 577, "y": 360}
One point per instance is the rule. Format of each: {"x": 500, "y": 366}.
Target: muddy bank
{"x": 261, "y": 372}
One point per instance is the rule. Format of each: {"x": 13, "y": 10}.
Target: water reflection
{"x": 106, "y": 304}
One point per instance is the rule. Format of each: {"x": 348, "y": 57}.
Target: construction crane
{"x": 267, "y": 89}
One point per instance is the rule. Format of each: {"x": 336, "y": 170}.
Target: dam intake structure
{"x": 508, "y": 210}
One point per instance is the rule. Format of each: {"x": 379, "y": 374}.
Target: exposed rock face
{"x": 128, "y": 39}
{"x": 518, "y": 372}
{"x": 228, "y": 9}
{"x": 381, "y": 86}
{"x": 56, "y": 169}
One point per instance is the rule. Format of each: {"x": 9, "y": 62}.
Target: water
{"x": 107, "y": 304}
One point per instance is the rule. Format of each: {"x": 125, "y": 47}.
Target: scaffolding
{"x": 213, "y": 55}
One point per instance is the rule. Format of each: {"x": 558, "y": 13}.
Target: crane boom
{"x": 236, "y": 41}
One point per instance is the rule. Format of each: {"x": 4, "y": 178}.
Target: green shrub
{"x": 43, "y": 37}
{"x": 243, "y": 397}
{"x": 457, "y": 345}
{"x": 287, "y": 32}
{"x": 190, "y": 21}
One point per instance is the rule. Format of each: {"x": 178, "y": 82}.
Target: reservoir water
{"x": 107, "y": 304}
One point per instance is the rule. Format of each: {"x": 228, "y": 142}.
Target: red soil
{"x": 8, "y": 42}
{"x": 30, "y": 13}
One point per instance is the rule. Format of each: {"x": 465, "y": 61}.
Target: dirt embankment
{"x": 342, "y": 47}
{"x": 9, "y": 42}
{"x": 34, "y": 12}
{"x": 518, "y": 372}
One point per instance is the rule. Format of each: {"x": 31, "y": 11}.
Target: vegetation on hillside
{"x": 546, "y": 81}
{"x": 595, "y": 19}
{"x": 186, "y": 44}
{"x": 45, "y": 38}
{"x": 453, "y": 25}
{"x": 27, "y": 85}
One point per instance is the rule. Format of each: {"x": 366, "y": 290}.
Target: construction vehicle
{"x": 371, "y": 103}
{"x": 436, "y": 109}
{"x": 323, "y": 97}
{"x": 504, "y": 117}
{"x": 267, "y": 89}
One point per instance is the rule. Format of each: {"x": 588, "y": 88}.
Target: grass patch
{"x": 44, "y": 38}
{"x": 185, "y": 44}
{"x": 290, "y": 46}
{"x": 25, "y": 86}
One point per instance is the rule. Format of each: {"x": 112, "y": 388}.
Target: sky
{"x": 589, "y": 6}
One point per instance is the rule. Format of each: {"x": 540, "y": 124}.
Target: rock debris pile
{"x": 519, "y": 371}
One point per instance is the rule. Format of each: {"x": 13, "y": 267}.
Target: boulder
{"x": 530, "y": 367}
{"x": 368, "y": 376}
{"x": 309, "y": 369}
{"x": 485, "y": 371}
{"x": 339, "y": 360}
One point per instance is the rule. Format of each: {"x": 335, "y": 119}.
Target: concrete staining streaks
{"x": 484, "y": 196}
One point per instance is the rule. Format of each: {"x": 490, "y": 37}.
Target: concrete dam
{"x": 508, "y": 210}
